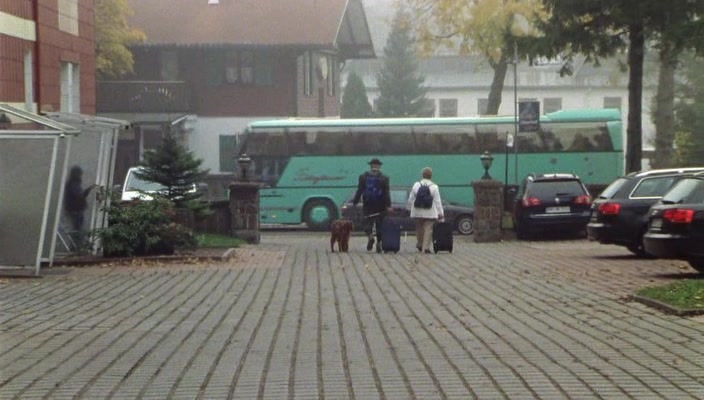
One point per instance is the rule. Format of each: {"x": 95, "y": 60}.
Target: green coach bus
{"x": 310, "y": 167}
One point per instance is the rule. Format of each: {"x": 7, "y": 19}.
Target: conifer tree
{"x": 355, "y": 103}
{"x": 401, "y": 91}
{"x": 176, "y": 168}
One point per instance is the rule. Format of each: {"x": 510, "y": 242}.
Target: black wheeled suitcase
{"x": 391, "y": 235}
{"x": 442, "y": 236}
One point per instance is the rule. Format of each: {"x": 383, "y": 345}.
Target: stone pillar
{"x": 244, "y": 206}
{"x": 488, "y": 210}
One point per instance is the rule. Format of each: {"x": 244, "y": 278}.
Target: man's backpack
{"x": 423, "y": 197}
{"x": 373, "y": 189}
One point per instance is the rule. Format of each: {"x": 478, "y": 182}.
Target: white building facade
{"x": 459, "y": 86}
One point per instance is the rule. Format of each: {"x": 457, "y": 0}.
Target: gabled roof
{"x": 325, "y": 24}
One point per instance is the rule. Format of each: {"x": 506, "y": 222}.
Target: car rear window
{"x": 136, "y": 184}
{"x": 551, "y": 188}
{"x": 653, "y": 187}
{"x": 690, "y": 191}
{"x": 613, "y": 188}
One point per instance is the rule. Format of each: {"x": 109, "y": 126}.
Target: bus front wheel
{"x": 319, "y": 213}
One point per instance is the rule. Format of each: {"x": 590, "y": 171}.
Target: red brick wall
{"x": 309, "y": 105}
{"x": 283, "y": 98}
{"x": 12, "y": 51}
{"x": 56, "y": 46}
{"x": 18, "y": 8}
{"x": 244, "y": 100}
{"x": 279, "y": 99}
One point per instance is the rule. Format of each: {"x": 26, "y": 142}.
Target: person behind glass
{"x": 75, "y": 202}
{"x": 373, "y": 189}
{"x": 425, "y": 217}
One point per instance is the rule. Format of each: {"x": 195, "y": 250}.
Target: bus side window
{"x": 603, "y": 140}
{"x": 468, "y": 145}
{"x": 489, "y": 141}
{"x": 527, "y": 143}
{"x": 358, "y": 142}
{"x": 295, "y": 143}
{"x": 581, "y": 142}
{"x": 548, "y": 141}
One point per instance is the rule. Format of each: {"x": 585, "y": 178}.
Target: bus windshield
{"x": 309, "y": 162}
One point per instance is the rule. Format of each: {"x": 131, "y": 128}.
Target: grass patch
{"x": 687, "y": 294}
{"x": 213, "y": 240}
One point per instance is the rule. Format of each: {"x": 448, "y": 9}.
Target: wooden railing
{"x": 142, "y": 96}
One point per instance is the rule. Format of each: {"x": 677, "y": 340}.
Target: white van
{"x": 136, "y": 188}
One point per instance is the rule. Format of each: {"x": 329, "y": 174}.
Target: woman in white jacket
{"x": 425, "y": 217}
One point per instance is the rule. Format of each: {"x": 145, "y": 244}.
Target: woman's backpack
{"x": 424, "y": 199}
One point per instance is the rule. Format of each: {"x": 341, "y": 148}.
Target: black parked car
{"x": 461, "y": 216}
{"x": 551, "y": 202}
{"x": 676, "y": 223}
{"x": 620, "y": 212}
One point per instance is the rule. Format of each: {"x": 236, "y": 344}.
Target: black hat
{"x": 375, "y": 161}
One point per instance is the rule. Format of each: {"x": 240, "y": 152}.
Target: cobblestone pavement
{"x": 288, "y": 319}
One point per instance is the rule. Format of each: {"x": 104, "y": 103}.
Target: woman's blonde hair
{"x": 427, "y": 172}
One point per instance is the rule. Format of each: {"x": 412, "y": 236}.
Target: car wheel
{"x": 638, "y": 248}
{"x": 465, "y": 224}
{"x": 697, "y": 263}
{"x": 318, "y": 214}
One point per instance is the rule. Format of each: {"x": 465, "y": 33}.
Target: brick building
{"x": 208, "y": 67}
{"x": 47, "y": 55}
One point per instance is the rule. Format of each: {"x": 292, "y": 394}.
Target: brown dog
{"x": 340, "y": 232}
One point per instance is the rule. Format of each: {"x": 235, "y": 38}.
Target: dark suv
{"x": 551, "y": 202}
{"x": 676, "y": 227}
{"x": 620, "y": 213}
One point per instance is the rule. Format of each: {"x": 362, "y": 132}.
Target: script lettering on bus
{"x": 315, "y": 179}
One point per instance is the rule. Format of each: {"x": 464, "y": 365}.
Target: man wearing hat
{"x": 373, "y": 189}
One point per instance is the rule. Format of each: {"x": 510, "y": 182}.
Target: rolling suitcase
{"x": 442, "y": 236}
{"x": 391, "y": 235}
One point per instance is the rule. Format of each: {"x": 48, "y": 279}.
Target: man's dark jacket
{"x": 373, "y": 207}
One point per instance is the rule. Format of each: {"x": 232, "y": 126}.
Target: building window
{"x": 28, "y": 81}
{"x": 70, "y": 88}
{"x": 214, "y": 67}
{"x": 247, "y": 67}
{"x": 331, "y": 75}
{"x": 232, "y": 67}
{"x": 552, "y": 104}
{"x": 263, "y": 69}
{"x": 228, "y": 147}
{"x": 307, "y": 73}
{"x": 612, "y": 102}
{"x": 448, "y": 107}
{"x": 239, "y": 67}
{"x": 482, "y": 106}
{"x": 169, "y": 65}
{"x": 68, "y": 16}
{"x": 428, "y": 110}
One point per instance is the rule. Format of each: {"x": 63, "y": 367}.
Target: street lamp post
{"x": 486, "y": 160}
{"x": 244, "y": 162}
{"x": 515, "y": 113}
